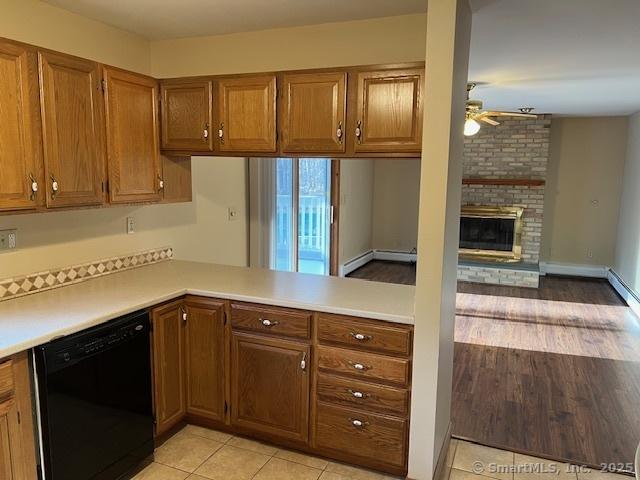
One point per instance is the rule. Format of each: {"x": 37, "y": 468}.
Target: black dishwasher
{"x": 94, "y": 390}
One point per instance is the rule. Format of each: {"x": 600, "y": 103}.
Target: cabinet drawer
{"x": 6, "y": 379}
{"x": 372, "y": 437}
{"x": 365, "y": 334}
{"x": 365, "y": 365}
{"x": 271, "y": 320}
{"x": 354, "y": 393}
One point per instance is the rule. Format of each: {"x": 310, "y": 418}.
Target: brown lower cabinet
{"x": 17, "y": 444}
{"x": 277, "y": 374}
{"x": 205, "y": 355}
{"x": 169, "y": 365}
{"x": 270, "y": 386}
{"x": 358, "y": 435}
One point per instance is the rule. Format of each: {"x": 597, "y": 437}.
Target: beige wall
{"x": 447, "y": 57}
{"x": 199, "y": 230}
{"x": 356, "y": 200}
{"x": 39, "y": 23}
{"x": 382, "y": 40}
{"x": 396, "y": 193}
{"x": 627, "y": 252}
{"x": 582, "y": 195}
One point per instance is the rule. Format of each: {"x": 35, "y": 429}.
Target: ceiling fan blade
{"x": 489, "y": 121}
{"x": 511, "y": 114}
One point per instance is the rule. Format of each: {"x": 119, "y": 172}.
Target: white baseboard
{"x": 395, "y": 256}
{"x": 355, "y": 263}
{"x": 573, "y": 269}
{"x": 364, "y": 258}
{"x": 629, "y": 295}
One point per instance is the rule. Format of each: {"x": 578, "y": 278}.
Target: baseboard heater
{"x": 375, "y": 254}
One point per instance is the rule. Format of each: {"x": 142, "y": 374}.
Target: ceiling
{"x": 570, "y": 57}
{"x": 162, "y": 19}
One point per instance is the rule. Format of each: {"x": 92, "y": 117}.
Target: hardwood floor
{"x": 553, "y": 371}
{"x": 388, "y": 272}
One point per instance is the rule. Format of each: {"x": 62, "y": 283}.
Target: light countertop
{"x": 36, "y": 319}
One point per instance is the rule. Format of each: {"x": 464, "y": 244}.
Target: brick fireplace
{"x": 505, "y": 167}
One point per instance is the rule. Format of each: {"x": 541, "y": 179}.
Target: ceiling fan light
{"x": 471, "y": 127}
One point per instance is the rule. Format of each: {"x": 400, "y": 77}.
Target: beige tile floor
{"x": 469, "y": 461}
{"x": 197, "y": 453}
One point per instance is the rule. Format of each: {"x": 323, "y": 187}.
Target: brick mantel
{"x": 506, "y": 165}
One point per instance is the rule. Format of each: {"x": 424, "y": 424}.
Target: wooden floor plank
{"x": 553, "y": 371}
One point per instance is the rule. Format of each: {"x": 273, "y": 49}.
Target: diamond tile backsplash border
{"x": 60, "y": 277}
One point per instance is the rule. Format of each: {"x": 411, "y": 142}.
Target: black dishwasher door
{"x": 96, "y": 402}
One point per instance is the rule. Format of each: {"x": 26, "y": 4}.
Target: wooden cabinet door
{"x": 168, "y": 365}
{"x": 20, "y": 141}
{"x": 73, "y": 130}
{"x": 186, "y": 116}
{"x": 133, "y": 155}
{"x": 313, "y": 112}
{"x": 205, "y": 348}
{"x": 11, "y": 454}
{"x": 270, "y": 386}
{"x": 389, "y": 111}
{"x": 247, "y": 114}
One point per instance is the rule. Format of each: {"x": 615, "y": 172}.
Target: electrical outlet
{"x": 131, "y": 225}
{"x": 8, "y": 239}
{"x": 233, "y": 213}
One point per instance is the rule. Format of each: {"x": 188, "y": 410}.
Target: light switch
{"x": 233, "y": 214}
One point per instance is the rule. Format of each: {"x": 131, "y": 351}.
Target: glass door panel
{"x": 282, "y": 257}
{"x": 314, "y": 222}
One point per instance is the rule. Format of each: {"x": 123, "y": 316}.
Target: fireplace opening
{"x": 487, "y": 233}
{"x": 491, "y": 233}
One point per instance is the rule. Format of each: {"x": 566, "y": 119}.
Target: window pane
{"x": 283, "y": 224}
{"x": 314, "y": 229}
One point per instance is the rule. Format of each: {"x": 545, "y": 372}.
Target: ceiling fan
{"x": 476, "y": 114}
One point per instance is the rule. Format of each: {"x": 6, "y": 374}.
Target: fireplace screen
{"x": 491, "y": 233}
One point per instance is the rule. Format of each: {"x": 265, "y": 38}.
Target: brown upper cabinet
{"x": 389, "y": 111}
{"x": 73, "y": 130}
{"x": 20, "y": 151}
{"x": 247, "y": 114}
{"x": 187, "y": 116}
{"x": 314, "y": 112}
{"x": 135, "y": 173}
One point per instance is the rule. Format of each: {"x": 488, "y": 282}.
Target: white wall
{"x": 362, "y": 42}
{"x": 447, "y": 57}
{"x": 627, "y": 254}
{"x": 396, "y": 193}
{"x": 356, "y": 201}
{"x": 582, "y": 194}
{"x": 41, "y": 24}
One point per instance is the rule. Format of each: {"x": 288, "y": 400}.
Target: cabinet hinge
{"x": 226, "y": 407}
{"x": 103, "y": 85}
{"x": 225, "y": 318}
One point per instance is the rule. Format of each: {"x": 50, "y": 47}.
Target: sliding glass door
{"x": 302, "y": 218}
